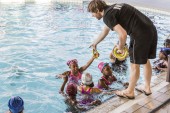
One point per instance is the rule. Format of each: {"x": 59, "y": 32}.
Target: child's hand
{"x": 126, "y": 84}
{"x": 62, "y": 93}
{"x": 59, "y": 76}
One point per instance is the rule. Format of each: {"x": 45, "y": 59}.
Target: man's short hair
{"x": 96, "y": 5}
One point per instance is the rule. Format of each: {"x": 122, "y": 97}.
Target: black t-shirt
{"x": 127, "y": 16}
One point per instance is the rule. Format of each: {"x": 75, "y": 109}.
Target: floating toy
{"x": 120, "y": 56}
{"x": 95, "y": 53}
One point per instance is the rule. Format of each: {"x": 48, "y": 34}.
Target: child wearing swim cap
{"x": 16, "y": 105}
{"x": 87, "y": 90}
{"x": 108, "y": 78}
{"x": 70, "y": 96}
{"x": 117, "y": 65}
{"x": 71, "y": 91}
{"x": 163, "y": 55}
{"x": 158, "y": 63}
{"x": 167, "y": 43}
{"x": 75, "y": 73}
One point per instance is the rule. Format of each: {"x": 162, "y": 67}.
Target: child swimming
{"x": 163, "y": 55}
{"x": 117, "y": 65}
{"x": 16, "y": 105}
{"x": 75, "y": 73}
{"x": 167, "y": 43}
{"x": 88, "y": 90}
{"x": 158, "y": 62}
{"x": 108, "y": 78}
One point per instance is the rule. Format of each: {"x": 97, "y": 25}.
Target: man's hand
{"x": 94, "y": 46}
{"x": 119, "y": 49}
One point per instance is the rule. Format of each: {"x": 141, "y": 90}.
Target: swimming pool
{"x": 37, "y": 40}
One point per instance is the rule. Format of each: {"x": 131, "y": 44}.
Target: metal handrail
{"x": 168, "y": 74}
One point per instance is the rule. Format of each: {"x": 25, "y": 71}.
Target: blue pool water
{"x": 37, "y": 40}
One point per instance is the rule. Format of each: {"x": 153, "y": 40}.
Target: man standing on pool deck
{"x": 127, "y": 20}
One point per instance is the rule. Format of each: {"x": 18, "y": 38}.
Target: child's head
{"x": 167, "y": 43}
{"x": 71, "y": 90}
{"x": 105, "y": 68}
{"x": 164, "y": 53}
{"x": 73, "y": 65}
{"x": 16, "y": 104}
{"x": 87, "y": 79}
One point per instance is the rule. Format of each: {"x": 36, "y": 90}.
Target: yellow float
{"x": 120, "y": 56}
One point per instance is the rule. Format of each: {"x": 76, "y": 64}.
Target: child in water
{"x": 117, "y": 65}
{"x": 88, "y": 90}
{"x": 167, "y": 43}
{"x": 163, "y": 55}
{"x": 16, "y": 105}
{"x": 71, "y": 94}
{"x": 158, "y": 62}
{"x": 108, "y": 78}
{"x": 75, "y": 73}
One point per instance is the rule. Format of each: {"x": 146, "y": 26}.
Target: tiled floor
{"x": 141, "y": 103}
{"x": 142, "y": 110}
{"x": 164, "y": 109}
{"x": 152, "y": 104}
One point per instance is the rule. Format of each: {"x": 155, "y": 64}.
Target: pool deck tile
{"x": 142, "y": 110}
{"x": 164, "y": 109}
{"x": 153, "y": 104}
{"x": 133, "y": 108}
{"x": 163, "y": 97}
{"x": 168, "y": 92}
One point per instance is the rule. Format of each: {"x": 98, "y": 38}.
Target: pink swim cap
{"x": 71, "y": 89}
{"x": 102, "y": 65}
{"x": 72, "y": 61}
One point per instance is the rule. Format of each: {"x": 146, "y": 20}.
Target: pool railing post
{"x": 168, "y": 73}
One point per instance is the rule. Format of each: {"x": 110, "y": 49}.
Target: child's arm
{"x": 79, "y": 88}
{"x": 63, "y": 85}
{"x": 163, "y": 69}
{"x": 112, "y": 58}
{"x": 102, "y": 84}
{"x": 114, "y": 78}
{"x": 96, "y": 90}
{"x": 166, "y": 63}
{"x": 66, "y": 73}
{"x": 83, "y": 68}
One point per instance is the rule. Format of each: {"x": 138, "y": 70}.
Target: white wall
{"x": 38, "y": 1}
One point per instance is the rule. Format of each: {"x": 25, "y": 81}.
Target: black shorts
{"x": 143, "y": 45}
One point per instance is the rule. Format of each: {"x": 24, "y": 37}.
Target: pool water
{"x": 37, "y": 40}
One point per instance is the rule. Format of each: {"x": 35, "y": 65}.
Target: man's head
{"x": 96, "y": 7}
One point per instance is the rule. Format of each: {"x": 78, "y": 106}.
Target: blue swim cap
{"x": 16, "y": 104}
{"x": 165, "y": 51}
